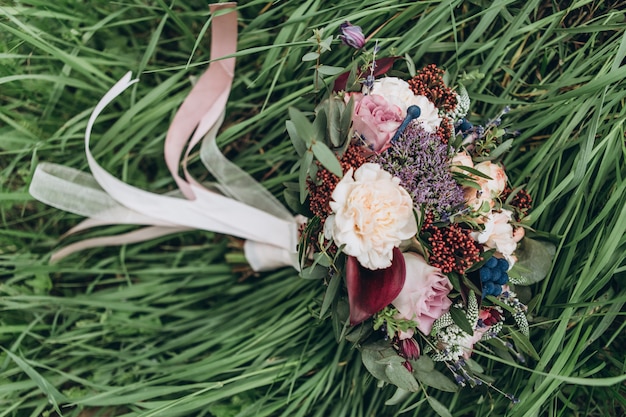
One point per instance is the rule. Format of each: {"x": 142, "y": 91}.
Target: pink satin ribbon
{"x": 270, "y": 231}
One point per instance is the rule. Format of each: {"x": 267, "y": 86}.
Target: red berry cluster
{"x": 321, "y": 190}
{"x": 452, "y": 247}
{"x": 522, "y": 201}
{"x": 429, "y": 82}
{"x": 445, "y": 131}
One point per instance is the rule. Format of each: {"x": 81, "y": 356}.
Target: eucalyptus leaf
{"x": 330, "y": 70}
{"x": 303, "y": 126}
{"x": 401, "y": 377}
{"x": 310, "y": 56}
{"x": 322, "y": 259}
{"x": 424, "y": 363}
{"x": 372, "y": 354}
{"x": 314, "y": 272}
{"x": 436, "y": 380}
{"x": 298, "y": 143}
{"x": 327, "y": 158}
{"x": 398, "y": 396}
{"x": 438, "y": 407}
{"x": 335, "y": 109}
{"x": 534, "y": 260}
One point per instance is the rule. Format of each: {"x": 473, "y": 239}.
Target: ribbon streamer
{"x": 247, "y": 210}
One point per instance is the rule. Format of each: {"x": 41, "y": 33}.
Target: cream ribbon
{"x": 247, "y": 210}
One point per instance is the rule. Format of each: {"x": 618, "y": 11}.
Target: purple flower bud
{"x": 352, "y": 35}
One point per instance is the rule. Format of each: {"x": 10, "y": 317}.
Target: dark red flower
{"x": 408, "y": 348}
{"x": 369, "y": 291}
{"x": 382, "y": 66}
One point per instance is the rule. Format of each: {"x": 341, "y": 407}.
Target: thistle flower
{"x": 351, "y": 35}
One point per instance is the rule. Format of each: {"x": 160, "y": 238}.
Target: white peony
{"x": 372, "y": 214}
{"x": 398, "y": 92}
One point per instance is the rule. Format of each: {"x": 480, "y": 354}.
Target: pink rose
{"x": 424, "y": 297}
{"x": 376, "y": 120}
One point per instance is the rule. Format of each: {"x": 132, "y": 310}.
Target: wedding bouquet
{"x": 402, "y": 207}
{"x": 413, "y": 224}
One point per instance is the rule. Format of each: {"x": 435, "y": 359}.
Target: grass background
{"x": 172, "y": 327}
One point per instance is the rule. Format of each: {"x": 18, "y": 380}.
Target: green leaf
{"x": 436, "y": 380}
{"x": 460, "y": 320}
{"x": 438, "y": 407}
{"x": 314, "y": 272}
{"x": 401, "y": 377}
{"x": 298, "y": 143}
{"x": 523, "y": 343}
{"x": 322, "y": 259}
{"x": 499, "y": 151}
{"x": 303, "y": 126}
{"x": 398, "y": 396}
{"x": 423, "y": 363}
{"x": 327, "y": 158}
{"x": 534, "y": 260}
{"x": 305, "y": 166}
{"x": 329, "y": 70}
{"x": 331, "y": 293}
{"x": 376, "y": 357}
{"x": 335, "y": 108}
{"x": 54, "y": 396}
{"x": 310, "y": 56}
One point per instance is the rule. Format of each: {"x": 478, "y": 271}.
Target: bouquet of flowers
{"x": 410, "y": 206}
{"x": 402, "y": 207}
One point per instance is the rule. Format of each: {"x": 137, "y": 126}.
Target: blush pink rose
{"x": 424, "y": 297}
{"x": 376, "y": 120}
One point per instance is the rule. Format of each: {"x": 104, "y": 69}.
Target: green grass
{"x": 168, "y": 328}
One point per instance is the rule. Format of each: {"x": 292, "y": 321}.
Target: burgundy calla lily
{"x": 369, "y": 291}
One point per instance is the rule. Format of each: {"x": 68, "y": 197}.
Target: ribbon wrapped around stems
{"x": 244, "y": 209}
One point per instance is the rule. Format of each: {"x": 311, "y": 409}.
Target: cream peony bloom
{"x": 372, "y": 214}
{"x": 399, "y": 93}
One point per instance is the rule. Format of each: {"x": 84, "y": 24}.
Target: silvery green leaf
{"x": 436, "y": 380}
{"x": 311, "y": 56}
{"x": 438, "y": 407}
{"x": 398, "y": 396}
{"x": 327, "y": 158}
{"x": 329, "y": 70}
{"x": 534, "y": 260}
{"x": 401, "y": 377}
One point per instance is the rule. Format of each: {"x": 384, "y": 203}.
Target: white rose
{"x": 499, "y": 235}
{"x": 398, "y": 92}
{"x": 372, "y": 214}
